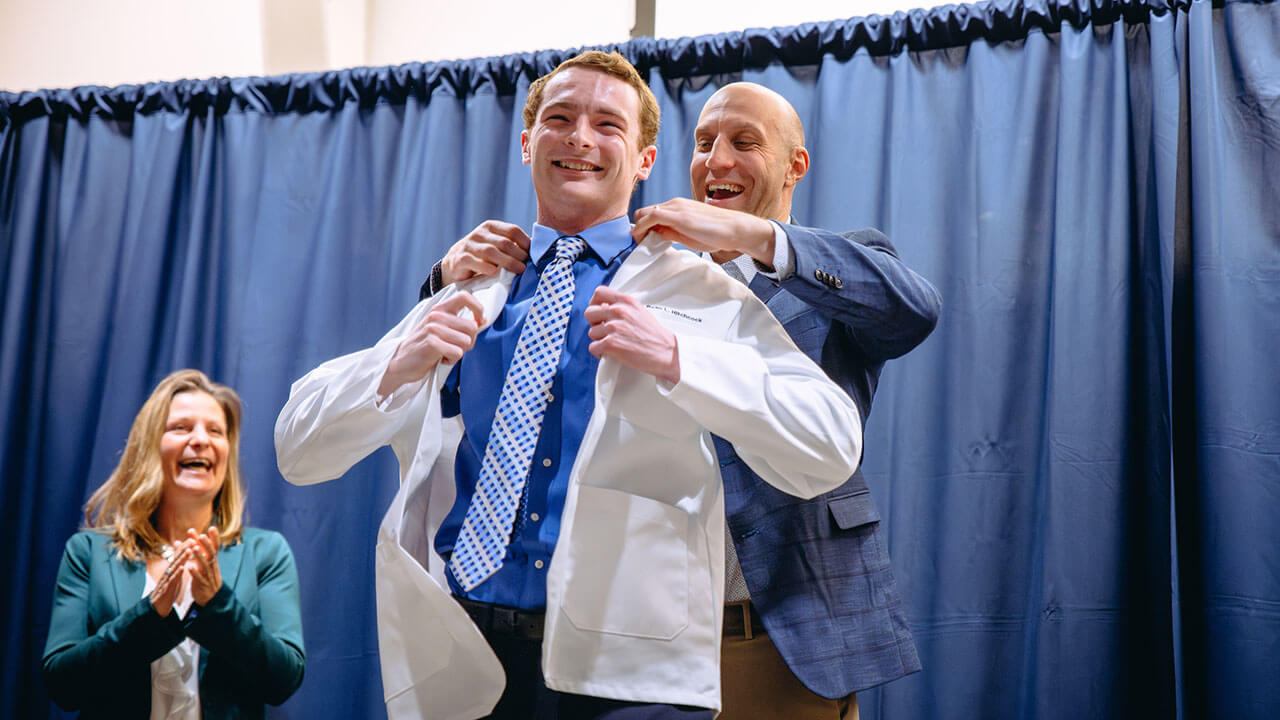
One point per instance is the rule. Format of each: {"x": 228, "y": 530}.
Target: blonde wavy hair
{"x": 124, "y": 507}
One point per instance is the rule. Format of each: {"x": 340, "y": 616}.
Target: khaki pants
{"x": 756, "y": 684}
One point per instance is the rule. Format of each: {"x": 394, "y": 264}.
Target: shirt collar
{"x": 606, "y": 240}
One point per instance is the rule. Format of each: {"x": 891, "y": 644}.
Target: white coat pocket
{"x": 629, "y": 560}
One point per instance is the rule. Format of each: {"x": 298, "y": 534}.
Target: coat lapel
{"x": 229, "y": 562}
{"x": 127, "y": 579}
{"x": 649, "y": 249}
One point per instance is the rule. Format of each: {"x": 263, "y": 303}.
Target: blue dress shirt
{"x": 473, "y": 389}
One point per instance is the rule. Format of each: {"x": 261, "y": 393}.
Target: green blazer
{"x": 103, "y": 635}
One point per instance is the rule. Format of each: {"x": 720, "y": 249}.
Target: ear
{"x": 647, "y": 156}
{"x": 798, "y": 166}
{"x": 525, "y": 156}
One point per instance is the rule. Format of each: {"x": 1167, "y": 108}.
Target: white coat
{"x": 635, "y": 587}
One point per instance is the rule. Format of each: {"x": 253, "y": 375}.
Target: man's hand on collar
{"x": 494, "y": 245}
{"x": 444, "y": 334}
{"x": 706, "y": 228}
{"x": 625, "y": 330}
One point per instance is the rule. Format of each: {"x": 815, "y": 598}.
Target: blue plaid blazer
{"x": 818, "y": 570}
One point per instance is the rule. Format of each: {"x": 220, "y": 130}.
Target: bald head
{"x": 769, "y": 107}
{"x": 748, "y": 151}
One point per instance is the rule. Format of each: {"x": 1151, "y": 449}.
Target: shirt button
{"x": 538, "y": 564}
{"x": 546, "y": 462}
{"x": 534, "y": 517}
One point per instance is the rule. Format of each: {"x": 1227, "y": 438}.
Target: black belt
{"x": 503, "y": 620}
{"x": 742, "y": 620}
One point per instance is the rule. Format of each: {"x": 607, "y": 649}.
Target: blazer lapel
{"x": 128, "y": 578}
{"x": 764, "y": 288}
{"x": 229, "y": 562}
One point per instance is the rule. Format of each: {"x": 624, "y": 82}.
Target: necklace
{"x": 167, "y": 552}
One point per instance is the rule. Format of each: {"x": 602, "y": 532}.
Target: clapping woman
{"x": 167, "y": 606}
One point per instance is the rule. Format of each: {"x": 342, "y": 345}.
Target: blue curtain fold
{"x": 1078, "y": 470}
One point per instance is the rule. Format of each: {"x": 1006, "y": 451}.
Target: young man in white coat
{"x": 813, "y": 614}
{"x": 606, "y": 596}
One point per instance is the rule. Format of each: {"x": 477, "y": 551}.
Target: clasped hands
{"x": 195, "y": 558}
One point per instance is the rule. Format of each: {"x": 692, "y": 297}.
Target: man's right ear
{"x": 525, "y": 157}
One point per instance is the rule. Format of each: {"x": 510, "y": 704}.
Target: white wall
{"x": 681, "y": 18}
{"x": 408, "y": 30}
{"x": 65, "y": 43}
{"x": 62, "y": 43}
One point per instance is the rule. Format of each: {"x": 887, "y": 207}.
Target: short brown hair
{"x": 614, "y": 64}
{"x": 125, "y": 504}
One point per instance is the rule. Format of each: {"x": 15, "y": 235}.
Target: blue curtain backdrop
{"x": 1080, "y": 469}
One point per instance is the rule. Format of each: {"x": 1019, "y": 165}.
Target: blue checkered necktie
{"x": 486, "y": 530}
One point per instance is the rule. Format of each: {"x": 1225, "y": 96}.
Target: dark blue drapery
{"x": 1080, "y": 469}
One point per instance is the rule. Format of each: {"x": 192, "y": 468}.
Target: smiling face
{"x": 194, "y": 447}
{"x": 584, "y": 150}
{"x": 748, "y": 152}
